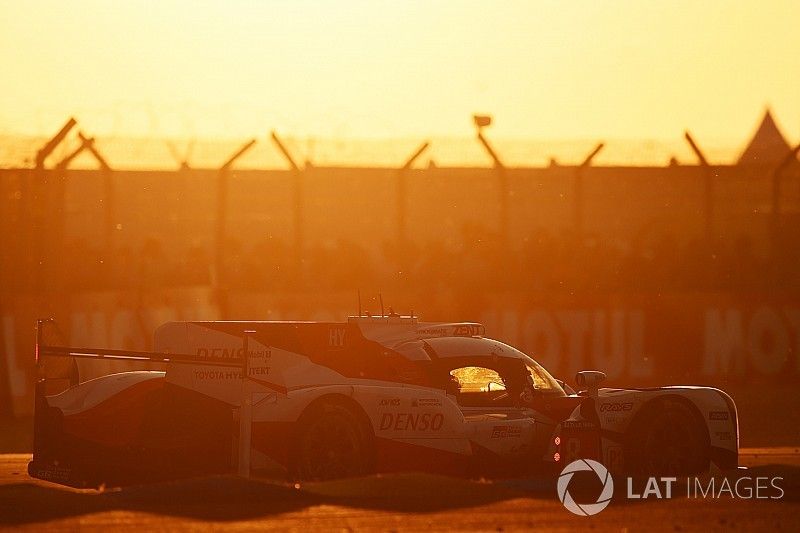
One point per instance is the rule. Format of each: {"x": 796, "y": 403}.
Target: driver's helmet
{"x": 453, "y": 386}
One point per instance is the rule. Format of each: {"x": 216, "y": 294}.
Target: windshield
{"x": 542, "y": 380}
{"x": 478, "y": 379}
{"x": 486, "y": 361}
{"x": 479, "y": 385}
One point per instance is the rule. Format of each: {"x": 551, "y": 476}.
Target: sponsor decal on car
{"x": 426, "y": 402}
{"x": 718, "y": 415}
{"x": 214, "y": 375}
{"x": 578, "y": 424}
{"x": 411, "y": 421}
{"x": 232, "y": 353}
{"x": 724, "y": 435}
{"x": 434, "y": 332}
{"x": 217, "y": 375}
{"x": 454, "y": 330}
{"x": 389, "y": 401}
{"x": 468, "y": 330}
{"x": 616, "y": 407}
{"x": 506, "y": 432}
{"x": 336, "y": 337}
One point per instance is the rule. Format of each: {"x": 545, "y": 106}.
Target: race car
{"x": 322, "y": 400}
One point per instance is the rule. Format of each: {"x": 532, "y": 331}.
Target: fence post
{"x": 298, "y": 201}
{"x": 37, "y": 207}
{"x": 51, "y": 145}
{"x": 402, "y": 195}
{"x": 222, "y": 221}
{"x": 482, "y": 121}
{"x": 110, "y": 209}
{"x": 708, "y": 189}
{"x": 579, "y": 196}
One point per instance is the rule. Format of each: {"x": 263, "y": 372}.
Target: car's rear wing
{"x": 41, "y": 406}
{"x": 44, "y": 350}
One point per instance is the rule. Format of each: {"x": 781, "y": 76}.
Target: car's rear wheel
{"x": 667, "y": 439}
{"x": 331, "y": 444}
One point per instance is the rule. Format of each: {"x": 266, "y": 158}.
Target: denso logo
{"x": 615, "y": 407}
{"x": 412, "y": 421}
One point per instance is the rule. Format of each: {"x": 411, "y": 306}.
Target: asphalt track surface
{"x": 409, "y": 502}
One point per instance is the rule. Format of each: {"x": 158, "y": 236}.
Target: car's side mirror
{"x": 590, "y": 380}
{"x": 569, "y": 390}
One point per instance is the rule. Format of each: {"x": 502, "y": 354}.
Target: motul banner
{"x": 648, "y": 340}
{"x": 638, "y": 340}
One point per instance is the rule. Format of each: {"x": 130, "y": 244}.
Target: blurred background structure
{"x": 685, "y": 272}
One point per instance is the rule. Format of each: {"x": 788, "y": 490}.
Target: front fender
{"x": 618, "y": 410}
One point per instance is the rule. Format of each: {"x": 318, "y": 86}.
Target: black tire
{"x": 331, "y": 443}
{"x": 667, "y": 439}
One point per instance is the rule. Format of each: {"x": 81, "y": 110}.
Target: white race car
{"x": 373, "y": 394}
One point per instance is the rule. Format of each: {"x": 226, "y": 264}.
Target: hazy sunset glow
{"x": 400, "y": 264}
{"x": 622, "y": 69}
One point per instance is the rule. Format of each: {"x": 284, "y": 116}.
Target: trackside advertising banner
{"x": 636, "y": 339}
{"x": 656, "y": 340}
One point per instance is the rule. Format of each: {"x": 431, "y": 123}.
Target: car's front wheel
{"x": 331, "y": 443}
{"x": 667, "y": 439}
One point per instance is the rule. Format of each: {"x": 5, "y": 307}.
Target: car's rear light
{"x": 556, "y": 457}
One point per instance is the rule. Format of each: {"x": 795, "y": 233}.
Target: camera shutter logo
{"x": 585, "y": 509}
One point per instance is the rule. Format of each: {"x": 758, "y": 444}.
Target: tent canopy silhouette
{"x": 768, "y": 145}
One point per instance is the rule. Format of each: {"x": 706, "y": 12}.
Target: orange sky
{"x": 616, "y": 69}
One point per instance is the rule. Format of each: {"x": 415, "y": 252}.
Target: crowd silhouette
{"x": 479, "y": 261}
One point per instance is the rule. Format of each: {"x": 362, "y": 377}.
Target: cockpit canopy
{"x": 479, "y": 356}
